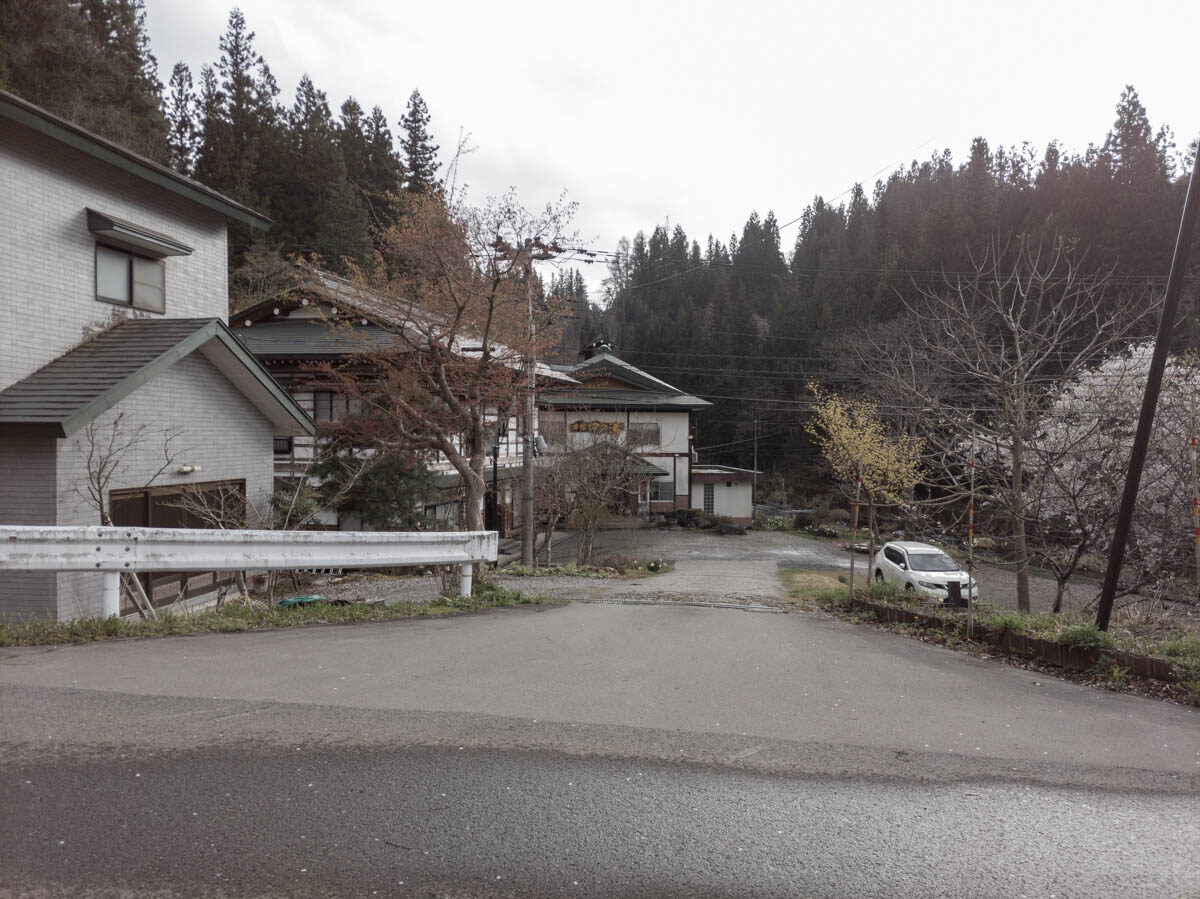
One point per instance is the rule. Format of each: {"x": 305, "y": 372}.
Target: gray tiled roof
{"x": 307, "y": 338}
{"x": 621, "y": 399}
{"x": 76, "y": 387}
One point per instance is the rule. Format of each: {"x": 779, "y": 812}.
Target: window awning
{"x": 134, "y": 237}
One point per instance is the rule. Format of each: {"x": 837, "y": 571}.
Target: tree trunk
{"x": 854, "y": 530}
{"x": 586, "y": 535}
{"x": 473, "y": 492}
{"x": 1017, "y": 508}
{"x": 870, "y": 538}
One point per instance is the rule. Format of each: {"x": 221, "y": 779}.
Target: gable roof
{"x": 62, "y": 397}
{"x": 16, "y": 109}
{"x": 607, "y": 364}
{"x": 644, "y": 392}
{"x": 380, "y": 317}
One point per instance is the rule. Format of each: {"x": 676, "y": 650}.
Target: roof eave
{"x": 38, "y": 119}
{"x": 214, "y": 330}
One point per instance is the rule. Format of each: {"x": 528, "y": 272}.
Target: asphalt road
{"x": 583, "y": 750}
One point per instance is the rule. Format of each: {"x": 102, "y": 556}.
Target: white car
{"x": 920, "y": 568}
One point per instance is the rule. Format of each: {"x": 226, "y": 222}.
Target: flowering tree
{"x": 1078, "y": 465}
{"x": 859, "y": 449}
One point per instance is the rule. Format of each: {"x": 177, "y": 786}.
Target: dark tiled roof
{"x": 607, "y": 364}
{"x": 620, "y": 399}
{"x": 308, "y": 338}
{"x": 646, "y": 467}
{"x": 77, "y": 386}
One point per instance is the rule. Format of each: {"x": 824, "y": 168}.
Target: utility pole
{"x": 971, "y": 539}
{"x": 1195, "y": 497}
{"x": 1158, "y": 362}
{"x": 527, "y": 531}
{"x": 754, "y": 488}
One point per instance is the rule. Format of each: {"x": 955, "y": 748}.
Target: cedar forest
{"x": 745, "y": 322}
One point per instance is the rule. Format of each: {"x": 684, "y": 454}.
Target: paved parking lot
{"x": 709, "y": 565}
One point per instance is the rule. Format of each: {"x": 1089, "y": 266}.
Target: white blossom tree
{"x": 1077, "y": 471}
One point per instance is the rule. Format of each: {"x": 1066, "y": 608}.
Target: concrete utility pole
{"x": 527, "y": 444}
{"x": 754, "y": 487}
{"x": 1158, "y": 362}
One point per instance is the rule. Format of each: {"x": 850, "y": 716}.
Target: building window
{"x": 709, "y": 503}
{"x": 283, "y": 446}
{"x": 329, "y": 405}
{"x": 130, "y": 280}
{"x": 643, "y": 434}
{"x": 662, "y": 491}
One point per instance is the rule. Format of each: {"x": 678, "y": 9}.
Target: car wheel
{"x": 878, "y": 576}
{"x": 909, "y": 588}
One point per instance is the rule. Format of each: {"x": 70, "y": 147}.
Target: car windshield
{"x": 931, "y": 562}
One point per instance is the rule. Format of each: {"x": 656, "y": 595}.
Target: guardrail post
{"x": 110, "y": 594}
{"x": 468, "y": 573}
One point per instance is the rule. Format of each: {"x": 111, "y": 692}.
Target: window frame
{"x": 130, "y": 256}
{"x": 644, "y": 434}
{"x": 656, "y": 489}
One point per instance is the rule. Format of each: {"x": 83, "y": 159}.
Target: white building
{"x": 113, "y": 293}
{"x": 644, "y": 414}
{"x": 723, "y": 490}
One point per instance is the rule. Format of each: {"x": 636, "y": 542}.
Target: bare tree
{"x": 263, "y": 275}
{"x": 975, "y": 358}
{"x": 596, "y": 480}
{"x": 552, "y": 496}
{"x": 464, "y": 327}
{"x": 106, "y": 450}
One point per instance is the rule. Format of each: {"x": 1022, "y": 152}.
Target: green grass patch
{"x": 1183, "y": 653}
{"x": 823, "y": 589}
{"x": 1085, "y": 636}
{"x": 1007, "y": 622}
{"x": 569, "y": 570}
{"x": 241, "y": 616}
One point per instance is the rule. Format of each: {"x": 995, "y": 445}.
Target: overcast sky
{"x": 700, "y": 112}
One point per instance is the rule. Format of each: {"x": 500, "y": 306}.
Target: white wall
{"x": 734, "y": 501}
{"x": 220, "y": 431}
{"x": 48, "y": 299}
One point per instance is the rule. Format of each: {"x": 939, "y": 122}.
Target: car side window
{"x": 893, "y": 555}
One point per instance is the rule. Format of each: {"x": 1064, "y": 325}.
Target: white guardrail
{"x": 114, "y": 550}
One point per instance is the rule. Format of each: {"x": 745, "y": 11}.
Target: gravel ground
{"x": 369, "y": 587}
{"x": 709, "y": 569}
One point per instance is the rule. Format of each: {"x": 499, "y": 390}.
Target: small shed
{"x": 724, "y": 490}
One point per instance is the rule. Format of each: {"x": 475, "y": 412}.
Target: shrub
{"x": 1109, "y": 673}
{"x": 885, "y": 592}
{"x": 1085, "y": 636}
{"x": 1007, "y": 623}
{"x": 1184, "y": 655}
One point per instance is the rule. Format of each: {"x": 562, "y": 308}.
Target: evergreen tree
{"x": 241, "y": 121}
{"x": 373, "y": 167}
{"x": 183, "y": 130}
{"x": 319, "y": 213}
{"x": 90, "y": 62}
{"x": 420, "y": 152}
